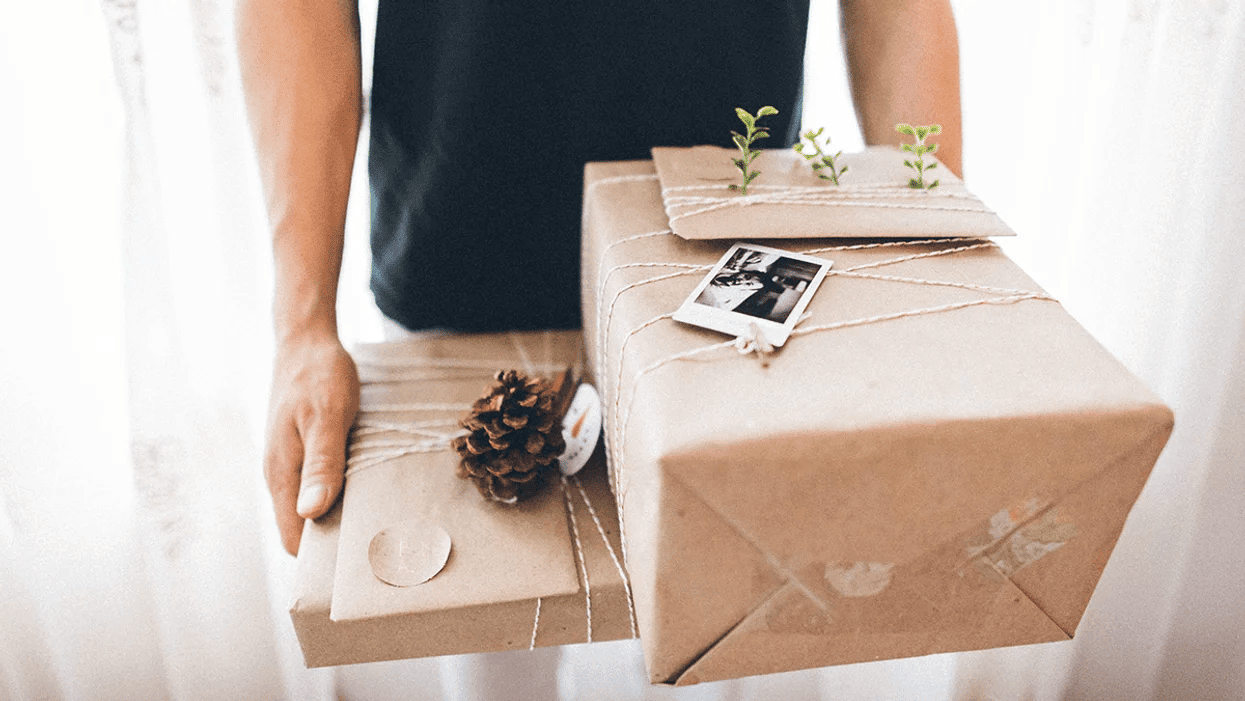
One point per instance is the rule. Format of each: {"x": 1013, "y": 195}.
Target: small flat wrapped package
{"x": 788, "y": 200}
{"x": 477, "y": 576}
{"x": 939, "y": 459}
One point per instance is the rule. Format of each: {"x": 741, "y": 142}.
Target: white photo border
{"x": 696, "y": 312}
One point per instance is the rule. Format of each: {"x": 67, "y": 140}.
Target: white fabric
{"x": 138, "y": 559}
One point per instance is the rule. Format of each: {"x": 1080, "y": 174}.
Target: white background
{"x": 138, "y": 556}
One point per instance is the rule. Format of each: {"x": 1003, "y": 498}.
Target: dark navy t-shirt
{"x": 484, "y": 113}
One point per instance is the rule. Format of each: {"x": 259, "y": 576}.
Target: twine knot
{"x": 753, "y": 341}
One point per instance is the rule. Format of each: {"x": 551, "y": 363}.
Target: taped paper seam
{"x": 1010, "y": 539}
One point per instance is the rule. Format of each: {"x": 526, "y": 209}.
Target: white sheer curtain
{"x": 1107, "y": 133}
{"x": 137, "y": 555}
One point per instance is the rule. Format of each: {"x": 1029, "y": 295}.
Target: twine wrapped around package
{"x": 938, "y": 459}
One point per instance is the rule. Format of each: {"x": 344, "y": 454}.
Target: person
{"x": 482, "y": 116}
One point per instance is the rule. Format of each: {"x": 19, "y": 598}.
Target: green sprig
{"x": 919, "y": 149}
{"x": 745, "y": 142}
{"x": 820, "y": 160}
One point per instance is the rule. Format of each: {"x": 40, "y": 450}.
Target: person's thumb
{"x": 324, "y": 462}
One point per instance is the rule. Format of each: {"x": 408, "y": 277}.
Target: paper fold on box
{"x": 788, "y": 200}
{"x": 939, "y": 459}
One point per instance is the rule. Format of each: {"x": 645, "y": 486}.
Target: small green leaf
{"x": 932, "y": 148}
{"x": 766, "y": 111}
{"x": 931, "y": 166}
{"x": 745, "y": 117}
{"x": 843, "y": 170}
{"x": 905, "y": 129}
{"x": 935, "y": 129}
{"x": 740, "y": 141}
{"x": 761, "y": 134}
{"x": 914, "y": 183}
{"x": 907, "y": 148}
{"x": 921, "y": 133}
{"x": 799, "y": 148}
{"x": 751, "y": 176}
{"x": 933, "y": 185}
{"x": 908, "y": 163}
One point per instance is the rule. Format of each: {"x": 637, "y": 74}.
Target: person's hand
{"x": 314, "y": 399}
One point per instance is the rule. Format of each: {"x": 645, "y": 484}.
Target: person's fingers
{"x": 324, "y": 460}
{"x": 282, "y": 464}
{"x": 314, "y": 401}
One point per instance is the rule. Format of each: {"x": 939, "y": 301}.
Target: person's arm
{"x": 301, "y": 74}
{"x": 903, "y": 56}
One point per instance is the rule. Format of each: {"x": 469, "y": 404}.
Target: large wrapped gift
{"x": 547, "y": 571}
{"x": 940, "y": 458}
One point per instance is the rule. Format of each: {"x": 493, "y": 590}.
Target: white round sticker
{"x": 408, "y": 553}
{"x": 581, "y": 428}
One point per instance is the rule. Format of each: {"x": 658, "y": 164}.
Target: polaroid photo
{"x": 755, "y": 285}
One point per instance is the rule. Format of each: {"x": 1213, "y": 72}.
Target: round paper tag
{"x": 408, "y": 553}
{"x": 581, "y": 428}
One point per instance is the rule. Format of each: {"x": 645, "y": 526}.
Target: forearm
{"x": 903, "y": 56}
{"x": 300, "y": 62}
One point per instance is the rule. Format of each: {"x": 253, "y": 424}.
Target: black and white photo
{"x": 755, "y": 285}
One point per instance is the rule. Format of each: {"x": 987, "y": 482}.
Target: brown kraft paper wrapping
{"x": 515, "y": 576}
{"x": 939, "y": 459}
{"x": 789, "y": 201}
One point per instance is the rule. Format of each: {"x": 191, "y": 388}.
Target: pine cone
{"x": 515, "y": 437}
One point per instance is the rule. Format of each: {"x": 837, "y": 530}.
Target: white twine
{"x": 824, "y": 196}
{"x": 614, "y": 180}
{"x": 433, "y": 364}
{"x": 375, "y": 442}
{"x": 920, "y": 281}
{"x": 608, "y": 315}
{"x": 889, "y": 244}
{"x": 396, "y": 370}
{"x": 753, "y": 341}
{"x": 428, "y": 375}
{"x": 367, "y": 445}
{"x": 411, "y": 406}
{"x": 622, "y": 574}
{"x": 622, "y": 349}
{"x": 842, "y": 192}
{"x": 367, "y": 427}
{"x": 579, "y": 551}
{"x": 535, "y": 625}
{"x": 918, "y": 256}
{"x": 528, "y": 367}
{"x": 898, "y": 188}
{"x": 629, "y": 239}
{"x": 358, "y": 463}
